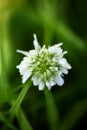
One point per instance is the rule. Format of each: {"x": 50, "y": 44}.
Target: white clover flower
{"x": 45, "y": 66}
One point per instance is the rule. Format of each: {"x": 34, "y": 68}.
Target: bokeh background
{"x": 53, "y": 21}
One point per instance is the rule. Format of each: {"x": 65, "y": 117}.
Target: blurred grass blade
{"x": 23, "y": 122}
{"x": 52, "y": 110}
{"x": 9, "y": 95}
{"x": 66, "y": 33}
{"x": 2, "y": 68}
{"x": 7, "y": 122}
{"x": 75, "y": 113}
{"x": 20, "y": 98}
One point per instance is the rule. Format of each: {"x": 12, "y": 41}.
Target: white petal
{"x": 64, "y": 63}
{"x": 32, "y": 53}
{"x": 35, "y": 42}
{"x": 64, "y": 70}
{"x": 55, "y": 49}
{"x": 23, "y": 52}
{"x": 41, "y": 86}
{"x": 52, "y": 83}
{"x": 65, "y": 52}
{"x": 26, "y": 76}
{"x": 59, "y": 80}
{"x": 17, "y": 66}
{"x": 21, "y": 66}
{"x": 58, "y": 44}
{"x": 24, "y": 69}
{"x": 36, "y": 81}
{"x": 48, "y": 85}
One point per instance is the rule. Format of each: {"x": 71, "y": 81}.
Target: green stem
{"x": 23, "y": 122}
{"x": 20, "y": 98}
{"x": 52, "y": 110}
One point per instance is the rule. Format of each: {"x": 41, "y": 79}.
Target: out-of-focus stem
{"x": 52, "y": 110}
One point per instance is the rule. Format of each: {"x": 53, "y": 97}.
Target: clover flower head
{"x": 44, "y": 66}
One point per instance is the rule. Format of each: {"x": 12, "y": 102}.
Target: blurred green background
{"x": 53, "y": 21}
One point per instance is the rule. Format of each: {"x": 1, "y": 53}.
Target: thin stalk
{"x": 23, "y": 121}
{"x": 53, "y": 116}
{"x": 17, "y": 103}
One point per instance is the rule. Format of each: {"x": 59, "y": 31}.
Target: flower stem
{"x": 23, "y": 121}
{"x": 17, "y": 104}
{"x": 52, "y": 110}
